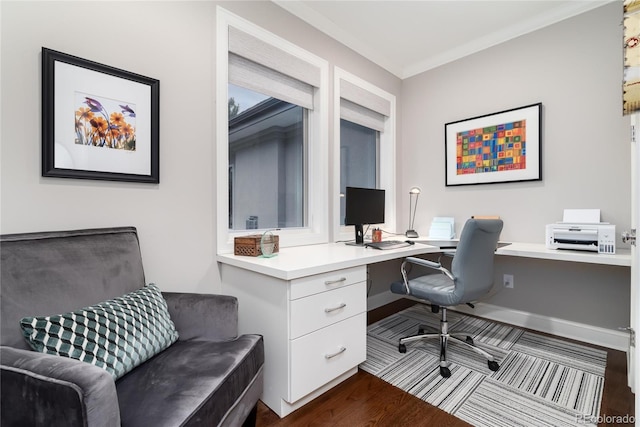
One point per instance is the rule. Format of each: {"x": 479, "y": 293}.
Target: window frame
{"x": 387, "y": 158}
{"x": 317, "y": 188}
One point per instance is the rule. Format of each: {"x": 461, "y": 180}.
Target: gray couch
{"x": 210, "y": 376}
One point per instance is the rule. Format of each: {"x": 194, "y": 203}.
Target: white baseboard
{"x": 609, "y": 338}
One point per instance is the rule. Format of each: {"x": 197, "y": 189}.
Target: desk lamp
{"x": 415, "y": 191}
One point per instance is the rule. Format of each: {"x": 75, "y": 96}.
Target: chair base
{"x": 444, "y": 336}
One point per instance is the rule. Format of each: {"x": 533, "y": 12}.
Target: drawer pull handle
{"x": 334, "y": 282}
{"x": 331, "y": 356}
{"x": 329, "y": 310}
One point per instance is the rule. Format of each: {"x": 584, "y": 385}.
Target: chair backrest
{"x": 56, "y": 272}
{"x": 472, "y": 264}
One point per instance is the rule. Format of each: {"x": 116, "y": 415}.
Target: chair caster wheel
{"x": 445, "y": 372}
{"x": 402, "y": 348}
{"x": 469, "y": 340}
{"x": 420, "y": 331}
{"x": 493, "y": 365}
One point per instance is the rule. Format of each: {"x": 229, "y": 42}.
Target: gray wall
{"x": 575, "y": 69}
{"x": 170, "y": 41}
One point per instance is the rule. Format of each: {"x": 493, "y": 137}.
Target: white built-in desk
{"x": 622, "y": 257}
{"x": 310, "y": 303}
{"x": 302, "y": 261}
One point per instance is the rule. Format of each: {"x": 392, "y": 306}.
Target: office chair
{"x": 471, "y": 277}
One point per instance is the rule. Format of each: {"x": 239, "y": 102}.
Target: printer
{"x": 581, "y": 229}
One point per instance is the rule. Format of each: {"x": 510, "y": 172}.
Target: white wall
{"x": 170, "y": 41}
{"x": 575, "y": 69}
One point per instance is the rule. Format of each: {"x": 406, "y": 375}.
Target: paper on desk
{"x": 581, "y": 216}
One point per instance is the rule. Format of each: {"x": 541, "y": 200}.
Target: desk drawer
{"x": 317, "y": 311}
{"x": 317, "y": 283}
{"x": 320, "y": 357}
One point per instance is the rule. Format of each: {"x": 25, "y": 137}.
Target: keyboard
{"x": 388, "y": 244}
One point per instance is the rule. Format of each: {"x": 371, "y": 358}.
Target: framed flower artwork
{"x": 98, "y": 122}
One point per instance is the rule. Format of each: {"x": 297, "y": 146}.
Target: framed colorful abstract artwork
{"x": 98, "y": 122}
{"x": 498, "y": 147}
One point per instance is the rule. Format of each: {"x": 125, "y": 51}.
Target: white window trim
{"x": 387, "y": 178}
{"x": 317, "y": 230}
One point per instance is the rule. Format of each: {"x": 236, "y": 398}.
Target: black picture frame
{"x": 510, "y": 150}
{"x": 98, "y": 122}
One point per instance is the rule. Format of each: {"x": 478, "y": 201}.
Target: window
{"x": 365, "y": 130}
{"x": 267, "y": 142}
{"x": 359, "y": 155}
{"x": 272, "y": 156}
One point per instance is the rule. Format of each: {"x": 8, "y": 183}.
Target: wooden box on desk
{"x": 250, "y": 245}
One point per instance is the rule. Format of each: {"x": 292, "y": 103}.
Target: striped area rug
{"x": 542, "y": 381}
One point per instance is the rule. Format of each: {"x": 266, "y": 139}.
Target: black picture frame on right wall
{"x": 495, "y": 148}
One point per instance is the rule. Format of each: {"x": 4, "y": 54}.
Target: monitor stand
{"x": 359, "y": 236}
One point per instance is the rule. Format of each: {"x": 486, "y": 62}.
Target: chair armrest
{"x": 203, "y": 316}
{"x": 429, "y": 264}
{"x": 46, "y": 390}
{"x": 423, "y": 263}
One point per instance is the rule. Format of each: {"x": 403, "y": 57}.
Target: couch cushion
{"x": 59, "y": 271}
{"x": 190, "y": 382}
{"x": 116, "y": 335}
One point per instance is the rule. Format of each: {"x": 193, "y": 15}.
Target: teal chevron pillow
{"x": 116, "y": 335}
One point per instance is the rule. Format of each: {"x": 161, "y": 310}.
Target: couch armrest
{"x": 46, "y": 390}
{"x": 203, "y": 316}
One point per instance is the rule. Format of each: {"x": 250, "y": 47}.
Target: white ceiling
{"x": 409, "y": 37}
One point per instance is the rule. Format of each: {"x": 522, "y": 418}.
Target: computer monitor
{"x": 363, "y": 206}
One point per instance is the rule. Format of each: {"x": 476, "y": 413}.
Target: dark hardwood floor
{"x": 365, "y": 400}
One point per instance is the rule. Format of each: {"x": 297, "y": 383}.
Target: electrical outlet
{"x": 507, "y": 280}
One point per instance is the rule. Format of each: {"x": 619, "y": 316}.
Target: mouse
{"x": 411, "y": 242}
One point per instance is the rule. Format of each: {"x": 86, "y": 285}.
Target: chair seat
{"x": 150, "y": 396}
{"x": 436, "y": 288}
